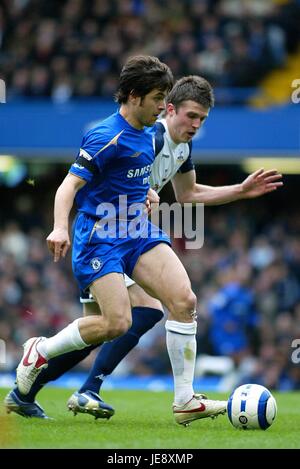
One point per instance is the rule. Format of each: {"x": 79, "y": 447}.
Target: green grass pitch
{"x": 143, "y": 419}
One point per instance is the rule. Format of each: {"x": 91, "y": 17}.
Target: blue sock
{"x": 112, "y": 353}
{"x": 57, "y": 366}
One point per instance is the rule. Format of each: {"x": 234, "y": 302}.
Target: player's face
{"x": 184, "y": 122}
{"x": 150, "y": 107}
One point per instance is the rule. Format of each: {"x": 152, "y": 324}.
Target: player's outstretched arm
{"x": 256, "y": 184}
{"x": 58, "y": 240}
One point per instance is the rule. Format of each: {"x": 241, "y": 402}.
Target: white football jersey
{"x": 170, "y": 157}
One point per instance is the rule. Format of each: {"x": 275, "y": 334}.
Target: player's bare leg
{"x": 112, "y": 296}
{"x": 90, "y": 402}
{"x": 138, "y": 297}
{"x": 91, "y": 309}
{"x": 152, "y": 272}
{"x": 87, "y": 399}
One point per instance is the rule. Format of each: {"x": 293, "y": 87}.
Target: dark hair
{"x": 193, "y": 88}
{"x": 142, "y": 74}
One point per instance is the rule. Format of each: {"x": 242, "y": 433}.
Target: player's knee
{"x": 185, "y": 306}
{"x": 118, "y": 327}
{"x": 190, "y": 302}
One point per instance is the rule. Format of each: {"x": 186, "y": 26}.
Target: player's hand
{"x": 152, "y": 201}
{"x": 58, "y": 243}
{"x": 261, "y": 182}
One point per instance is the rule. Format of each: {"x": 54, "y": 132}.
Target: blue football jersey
{"x": 116, "y": 160}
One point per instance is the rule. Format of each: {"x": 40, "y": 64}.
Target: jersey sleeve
{"x": 159, "y": 138}
{"x": 188, "y": 165}
{"x": 94, "y": 154}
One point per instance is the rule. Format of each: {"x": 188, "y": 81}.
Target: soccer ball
{"x": 251, "y": 406}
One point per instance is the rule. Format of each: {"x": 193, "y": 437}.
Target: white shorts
{"x": 87, "y": 297}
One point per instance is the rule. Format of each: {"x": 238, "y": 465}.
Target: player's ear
{"x": 170, "y": 108}
{"x": 133, "y": 97}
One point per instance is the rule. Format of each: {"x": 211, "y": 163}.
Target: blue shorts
{"x": 94, "y": 257}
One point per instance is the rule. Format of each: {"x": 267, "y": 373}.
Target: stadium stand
{"x": 75, "y": 48}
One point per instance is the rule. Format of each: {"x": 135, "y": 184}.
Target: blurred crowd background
{"x": 73, "y": 48}
{"x": 247, "y": 275}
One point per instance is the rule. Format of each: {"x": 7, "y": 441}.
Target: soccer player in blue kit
{"x": 112, "y": 154}
{"x": 190, "y": 99}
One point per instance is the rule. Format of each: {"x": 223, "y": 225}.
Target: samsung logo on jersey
{"x": 136, "y": 172}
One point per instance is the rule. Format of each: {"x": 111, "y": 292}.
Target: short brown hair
{"x": 142, "y": 74}
{"x": 192, "y": 88}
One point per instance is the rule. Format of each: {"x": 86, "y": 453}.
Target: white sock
{"x": 181, "y": 345}
{"x": 67, "y": 340}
